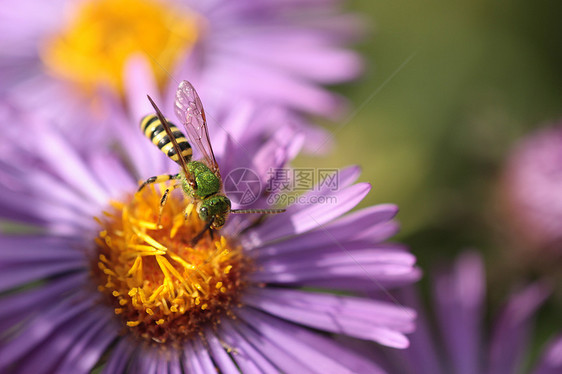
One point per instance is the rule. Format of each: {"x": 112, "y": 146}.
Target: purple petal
{"x": 59, "y": 219}
{"x": 342, "y": 180}
{"x": 145, "y": 159}
{"x": 234, "y": 127}
{"x": 202, "y": 354}
{"x": 146, "y": 362}
{"x": 319, "y": 141}
{"x": 221, "y": 358}
{"x": 45, "y": 324}
{"x": 347, "y": 356}
{"x": 120, "y": 357}
{"x": 375, "y": 273}
{"x": 510, "y": 334}
{"x": 459, "y": 297}
{"x": 248, "y": 358}
{"x": 175, "y": 363}
{"x": 89, "y": 347}
{"x": 74, "y": 349}
{"x": 284, "y": 361}
{"x": 139, "y": 82}
{"x": 23, "y": 274}
{"x": 39, "y": 249}
{"x": 551, "y": 361}
{"x": 380, "y": 233}
{"x": 345, "y": 228}
{"x": 53, "y": 202}
{"x": 41, "y": 21}
{"x": 47, "y": 355}
{"x": 52, "y": 191}
{"x": 73, "y": 170}
{"x": 246, "y": 78}
{"x": 333, "y": 255}
{"x": 191, "y": 361}
{"x": 364, "y": 281}
{"x": 360, "y": 318}
{"x": 161, "y": 364}
{"x": 356, "y": 260}
{"x": 421, "y": 356}
{"x": 326, "y": 65}
{"x": 311, "y": 216}
{"x": 20, "y": 305}
{"x": 112, "y": 175}
{"x": 295, "y": 341}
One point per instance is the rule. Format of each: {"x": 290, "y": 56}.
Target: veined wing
{"x": 189, "y": 109}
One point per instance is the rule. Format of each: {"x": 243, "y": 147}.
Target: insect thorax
{"x": 207, "y": 183}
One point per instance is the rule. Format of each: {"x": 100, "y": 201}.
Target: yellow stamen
{"x": 149, "y": 240}
{"x": 100, "y": 36}
{"x": 156, "y": 279}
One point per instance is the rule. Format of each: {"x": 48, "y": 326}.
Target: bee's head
{"x": 215, "y": 207}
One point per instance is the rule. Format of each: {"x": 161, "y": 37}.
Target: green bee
{"x": 200, "y": 180}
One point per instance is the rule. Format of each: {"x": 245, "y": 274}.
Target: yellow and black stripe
{"x": 153, "y": 129}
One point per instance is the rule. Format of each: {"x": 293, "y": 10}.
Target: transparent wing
{"x": 189, "y": 109}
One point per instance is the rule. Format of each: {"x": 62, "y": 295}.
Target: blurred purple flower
{"x": 456, "y": 343}
{"x": 531, "y": 191}
{"x": 276, "y": 52}
{"x": 52, "y": 317}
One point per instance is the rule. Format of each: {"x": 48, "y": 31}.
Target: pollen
{"x": 95, "y": 42}
{"x": 163, "y": 288}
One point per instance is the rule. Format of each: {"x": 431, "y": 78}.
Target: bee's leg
{"x": 165, "y": 199}
{"x": 212, "y": 234}
{"x": 202, "y": 232}
{"x": 158, "y": 179}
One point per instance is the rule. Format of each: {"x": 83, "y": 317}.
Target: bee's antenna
{"x": 258, "y": 211}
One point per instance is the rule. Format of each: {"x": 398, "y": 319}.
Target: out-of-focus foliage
{"x": 434, "y": 136}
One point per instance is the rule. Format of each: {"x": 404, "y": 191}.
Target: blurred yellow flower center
{"x": 162, "y": 287}
{"x": 101, "y": 35}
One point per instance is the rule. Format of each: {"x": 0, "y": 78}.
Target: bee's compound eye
{"x": 204, "y": 213}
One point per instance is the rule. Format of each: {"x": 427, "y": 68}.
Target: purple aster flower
{"x": 127, "y": 291}
{"x": 458, "y": 344}
{"x": 279, "y": 52}
{"x": 531, "y": 191}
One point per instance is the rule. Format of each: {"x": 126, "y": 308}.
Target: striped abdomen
{"x": 153, "y": 129}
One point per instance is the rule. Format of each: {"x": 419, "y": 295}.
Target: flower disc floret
{"x": 164, "y": 288}
{"x": 96, "y": 44}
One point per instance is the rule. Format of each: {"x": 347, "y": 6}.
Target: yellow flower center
{"x": 101, "y": 35}
{"x": 162, "y": 287}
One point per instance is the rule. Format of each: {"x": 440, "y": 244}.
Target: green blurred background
{"x": 456, "y": 83}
